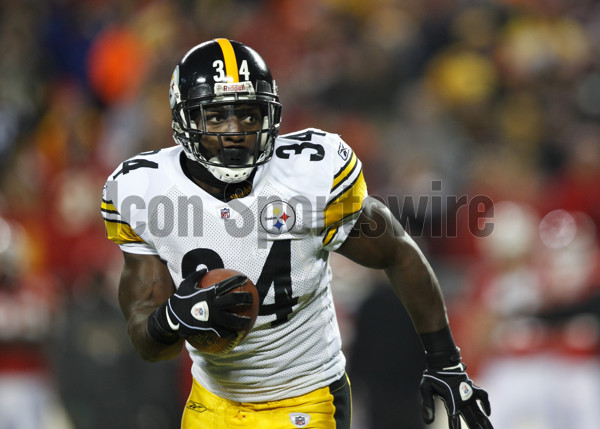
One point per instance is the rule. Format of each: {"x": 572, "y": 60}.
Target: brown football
{"x": 210, "y": 342}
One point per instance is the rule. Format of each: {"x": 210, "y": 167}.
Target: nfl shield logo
{"x": 299, "y": 420}
{"x": 225, "y": 213}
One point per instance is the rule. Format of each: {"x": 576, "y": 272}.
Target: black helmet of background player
{"x": 224, "y": 72}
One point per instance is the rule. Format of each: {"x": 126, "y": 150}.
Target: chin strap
{"x": 217, "y": 176}
{"x": 194, "y": 169}
{"x": 230, "y": 175}
{"x": 201, "y": 172}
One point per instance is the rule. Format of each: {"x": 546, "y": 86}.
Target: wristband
{"x": 440, "y": 349}
{"x": 438, "y": 341}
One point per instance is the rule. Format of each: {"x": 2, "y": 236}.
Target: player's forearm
{"x": 415, "y": 283}
{"x": 146, "y": 284}
{"x": 148, "y": 348}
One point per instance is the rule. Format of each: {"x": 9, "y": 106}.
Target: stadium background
{"x": 451, "y": 104}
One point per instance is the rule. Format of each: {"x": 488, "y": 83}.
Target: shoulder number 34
{"x": 305, "y": 137}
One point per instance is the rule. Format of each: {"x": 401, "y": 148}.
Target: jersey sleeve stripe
{"x": 120, "y": 232}
{"x": 351, "y": 159}
{"x": 231, "y": 66}
{"x": 329, "y": 236}
{"x": 347, "y": 176}
{"x": 117, "y": 230}
{"x": 109, "y": 211}
{"x": 348, "y": 203}
{"x": 347, "y": 181}
{"x": 333, "y": 230}
{"x": 350, "y": 181}
{"x": 108, "y": 206}
{"x": 345, "y": 171}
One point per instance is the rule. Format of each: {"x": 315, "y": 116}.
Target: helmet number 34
{"x": 221, "y": 76}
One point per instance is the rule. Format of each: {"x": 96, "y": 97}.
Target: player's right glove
{"x": 446, "y": 378}
{"x": 191, "y": 310}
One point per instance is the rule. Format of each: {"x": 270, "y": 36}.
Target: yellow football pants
{"x": 326, "y": 408}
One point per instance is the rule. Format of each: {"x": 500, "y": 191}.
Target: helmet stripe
{"x": 231, "y": 68}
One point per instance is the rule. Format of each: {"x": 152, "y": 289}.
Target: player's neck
{"x": 224, "y": 191}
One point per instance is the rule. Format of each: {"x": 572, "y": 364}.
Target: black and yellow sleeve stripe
{"x": 348, "y": 191}
{"x": 117, "y": 230}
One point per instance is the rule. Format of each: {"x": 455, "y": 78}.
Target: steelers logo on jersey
{"x": 278, "y": 217}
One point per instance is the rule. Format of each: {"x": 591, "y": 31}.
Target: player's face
{"x": 232, "y": 121}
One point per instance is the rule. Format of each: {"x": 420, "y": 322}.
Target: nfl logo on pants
{"x": 299, "y": 419}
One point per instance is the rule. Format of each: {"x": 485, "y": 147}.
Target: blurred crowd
{"x": 476, "y": 121}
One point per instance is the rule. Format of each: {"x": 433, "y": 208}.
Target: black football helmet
{"x": 224, "y": 74}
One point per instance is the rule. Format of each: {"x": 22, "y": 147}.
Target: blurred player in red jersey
{"x": 29, "y": 304}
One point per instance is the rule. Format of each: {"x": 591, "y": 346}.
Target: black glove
{"x": 192, "y": 310}
{"x": 445, "y": 377}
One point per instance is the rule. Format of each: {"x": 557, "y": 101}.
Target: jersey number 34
{"x": 276, "y": 273}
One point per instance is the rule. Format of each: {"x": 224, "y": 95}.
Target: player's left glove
{"x": 446, "y": 378}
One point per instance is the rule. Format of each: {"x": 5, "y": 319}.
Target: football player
{"x": 234, "y": 194}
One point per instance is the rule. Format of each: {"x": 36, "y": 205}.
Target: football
{"x": 210, "y": 342}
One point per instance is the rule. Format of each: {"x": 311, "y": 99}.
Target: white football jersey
{"x": 302, "y": 205}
